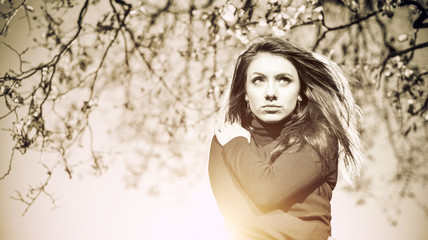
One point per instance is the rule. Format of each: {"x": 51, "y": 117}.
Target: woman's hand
{"x": 227, "y": 132}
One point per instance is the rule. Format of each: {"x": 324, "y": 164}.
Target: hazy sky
{"x": 101, "y": 207}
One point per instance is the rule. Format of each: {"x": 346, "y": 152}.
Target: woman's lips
{"x": 271, "y": 108}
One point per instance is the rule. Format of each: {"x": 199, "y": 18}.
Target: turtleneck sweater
{"x": 286, "y": 199}
{"x": 265, "y": 133}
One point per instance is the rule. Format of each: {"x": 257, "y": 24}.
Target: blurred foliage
{"x": 163, "y": 68}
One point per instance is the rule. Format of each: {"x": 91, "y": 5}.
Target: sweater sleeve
{"x": 231, "y": 198}
{"x": 271, "y": 184}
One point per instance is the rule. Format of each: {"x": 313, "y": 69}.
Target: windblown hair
{"x": 328, "y": 115}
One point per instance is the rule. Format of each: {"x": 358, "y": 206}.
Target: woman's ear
{"x": 246, "y": 97}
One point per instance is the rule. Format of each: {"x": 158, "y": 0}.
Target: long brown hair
{"x": 327, "y": 117}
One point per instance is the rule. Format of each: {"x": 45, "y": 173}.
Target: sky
{"x": 102, "y": 207}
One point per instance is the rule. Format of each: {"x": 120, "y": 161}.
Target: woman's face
{"x": 272, "y": 87}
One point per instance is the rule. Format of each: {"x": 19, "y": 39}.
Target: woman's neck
{"x": 265, "y": 133}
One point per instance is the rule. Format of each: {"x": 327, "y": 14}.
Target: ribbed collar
{"x": 265, "y": 133}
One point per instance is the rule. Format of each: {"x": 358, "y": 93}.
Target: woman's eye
{"x": 284, "y": 80}
{"x": 257, "y": 80}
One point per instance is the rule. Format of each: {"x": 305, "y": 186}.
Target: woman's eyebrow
{"x": 284, "y": 75}
{"x": 257, "y": 73}
{"x": 289, "y": 75}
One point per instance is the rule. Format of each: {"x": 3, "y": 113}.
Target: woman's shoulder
{"x": 322, "y": 146}
{"x": 214, "y": 143}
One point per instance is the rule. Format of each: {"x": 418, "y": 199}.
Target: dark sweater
{"x": 286, "y": 199}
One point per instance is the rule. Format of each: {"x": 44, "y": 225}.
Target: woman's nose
{"x": 271, "y": 92}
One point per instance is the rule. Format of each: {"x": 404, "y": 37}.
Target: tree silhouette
{"x": 170, "y": 62}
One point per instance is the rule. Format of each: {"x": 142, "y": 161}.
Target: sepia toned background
{"x": 107, "y": 110}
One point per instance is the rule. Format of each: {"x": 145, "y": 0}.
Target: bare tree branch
{"x": 393, "y": 53}
{"x": 10, "y": 163}
{"x": 9, "y": 16}
{"x": 34, "y": 193}
{"x": 330, "y": 29}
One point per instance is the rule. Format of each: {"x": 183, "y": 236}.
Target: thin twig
{"x": 33, "y": 197}
{"x": 392, "y": 54}
{"x": 11, "y": 15}
{"x": 329, "y": 29}
{"x": 9, "y": 169}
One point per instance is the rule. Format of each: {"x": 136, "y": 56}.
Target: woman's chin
{"x": 272, "y": 118}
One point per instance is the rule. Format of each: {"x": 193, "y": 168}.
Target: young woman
{"x": 273, "y": 163}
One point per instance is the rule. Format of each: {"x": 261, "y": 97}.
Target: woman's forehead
{"x": 268, "y": 63}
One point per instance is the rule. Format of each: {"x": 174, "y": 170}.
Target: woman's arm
{"x": 244, "y": 215}
{"x": 270, "y": 185}
{"x": 231, "y": 198}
